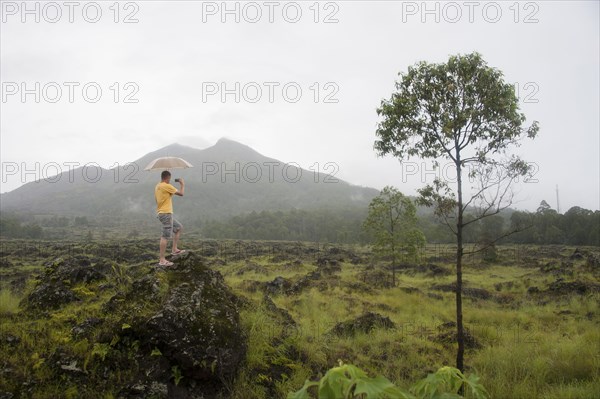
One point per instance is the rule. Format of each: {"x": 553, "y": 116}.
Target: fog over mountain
{"x": 228, "y": 178}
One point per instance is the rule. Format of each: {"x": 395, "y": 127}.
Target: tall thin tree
{"x": 461, "y": 111}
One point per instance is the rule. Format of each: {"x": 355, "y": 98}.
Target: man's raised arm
{"x": 181, "y": 190}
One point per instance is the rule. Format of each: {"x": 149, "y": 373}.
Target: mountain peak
{"x": 224, "y": 141}
{"x": 175, "y": 147}
{"x": 234, "y": 148}
{"x": 171, "y": 150}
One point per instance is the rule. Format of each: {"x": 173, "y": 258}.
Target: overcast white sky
{"x": 172, "y": 56}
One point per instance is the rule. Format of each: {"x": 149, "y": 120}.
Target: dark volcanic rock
{"x": 83, "y": 329}
{"x": 560, "y": 287}
{"x": 477, "y": 293}
{"x": 5, "y": 263}
{"x": 278, "y": 285}
{"x": 553, "y": 267}
{"x": 342, "y": 255}
{"x": 358, "y": 286}
{"x": 577, "y": 254}
{"x": 305, "y": 281}
{"x": 216, "y": 262}
{"x": 447, "y": 336}
{"x": 49, "y": 295}
{"x": 533, "y": 290}
{"x": 77, "y": 270}
{"x": 364, "y": 323}
{"x": 328, "y": 265}
{"x": 593, "y": 262}
{"x": 251, "y": 267}
{"x": 377, "y": 278}
{"x": 198, "y": 327}
{"x": 436, "y": 270}
{"x": 209, "y": 249}
{"x": 435, "y": 296}
{"x": 430, "y": 269}
{"x": 474, "y": 293}
{"x": 146, "y": 287}
{"x": 411, "y": 290}
{"x": 279, "y": 313}
{"x": 293, "y": 265}
{"x": 54, "y": 290}
{"x": 181, "y": 322}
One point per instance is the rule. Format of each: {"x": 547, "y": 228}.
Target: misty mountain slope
{"x": 228, "y": 178}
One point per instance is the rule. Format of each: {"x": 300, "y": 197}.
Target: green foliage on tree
{"x": 392, "y": 222}
{"x": 463, "y": 112}
{"x": 577, "y": 226}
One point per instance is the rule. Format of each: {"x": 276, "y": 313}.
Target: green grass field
{"x": 532, "y": 315}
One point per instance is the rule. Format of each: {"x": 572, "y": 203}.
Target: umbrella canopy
{"x": 163, "y": 163}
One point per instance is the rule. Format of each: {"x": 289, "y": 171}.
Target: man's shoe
{"x": 166, "y": 264}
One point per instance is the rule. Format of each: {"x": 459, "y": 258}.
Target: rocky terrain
{"x": 249, "y": 319}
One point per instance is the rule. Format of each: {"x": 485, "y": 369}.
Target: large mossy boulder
{"x": 196, "y": 328}
{"x": 140, "y": 331}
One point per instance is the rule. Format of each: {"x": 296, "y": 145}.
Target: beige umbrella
{"x": 163, "y": 163}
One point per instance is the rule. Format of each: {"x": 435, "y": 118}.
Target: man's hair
{"x": 165, "y": 174}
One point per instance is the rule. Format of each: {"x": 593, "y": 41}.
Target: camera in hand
{"x": 176, "y": 180}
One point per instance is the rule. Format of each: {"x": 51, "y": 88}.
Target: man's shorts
{"x": 169, "y": 224}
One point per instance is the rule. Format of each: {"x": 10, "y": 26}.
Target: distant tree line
{"x": 14, "y": 228}
{"x": 320, "y": 225}
{"x": 28, "y": 226}
{"x": 577, "y": 226}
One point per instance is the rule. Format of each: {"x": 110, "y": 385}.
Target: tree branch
{"x": 492, "y": 243}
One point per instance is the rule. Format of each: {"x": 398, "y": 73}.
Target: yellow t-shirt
{"x": 163, "y": 192}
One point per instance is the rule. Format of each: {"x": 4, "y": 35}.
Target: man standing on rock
{"x": 163, "y": 194}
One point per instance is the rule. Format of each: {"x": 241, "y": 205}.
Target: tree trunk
{"x": 393, "y": 248}
{"x": 459, "y": 254}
